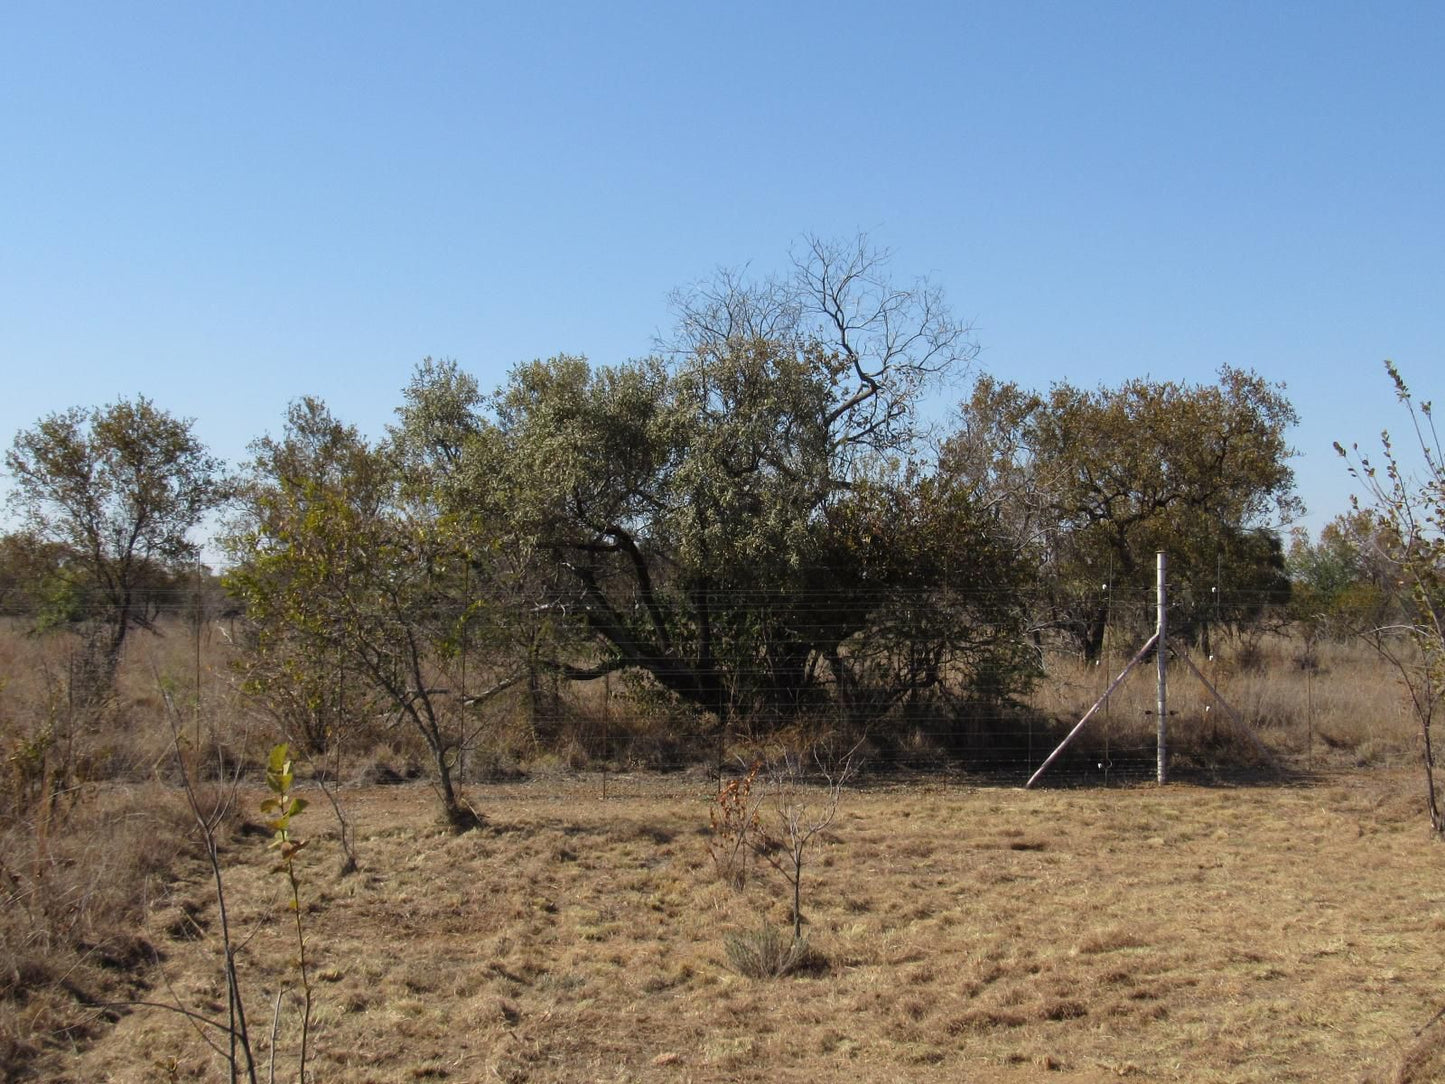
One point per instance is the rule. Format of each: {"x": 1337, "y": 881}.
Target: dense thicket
{"x": 748, "y": 520}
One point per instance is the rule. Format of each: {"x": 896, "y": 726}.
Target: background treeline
{"x": 752, "y": 532}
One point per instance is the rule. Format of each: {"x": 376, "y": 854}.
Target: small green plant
{"x": 240, "y": 1058}
{"x": 282, "y": 806}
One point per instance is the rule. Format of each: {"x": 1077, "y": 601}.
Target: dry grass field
{"x": 1278, "y": 925}
{"x": 1191, "y": 933}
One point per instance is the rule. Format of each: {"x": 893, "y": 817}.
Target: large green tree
{"x": 1095, "y": 482}
{"x": 1347, "y": 581}
{"x": 729, "y": 517}
{"x": 119, "y": 488}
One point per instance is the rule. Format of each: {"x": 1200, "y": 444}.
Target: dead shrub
{"x": 735, "y": 826}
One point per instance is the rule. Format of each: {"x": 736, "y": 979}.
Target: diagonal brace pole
{"x": 1263, "y": 750}
{"x": 1135, "y": 661}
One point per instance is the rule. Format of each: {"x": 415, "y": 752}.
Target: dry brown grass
{"x": 91, "y": 832}
{"x": 76, "y": 884}
{"x": 1189, "y": 933}
{"x": 1249, "y": 933}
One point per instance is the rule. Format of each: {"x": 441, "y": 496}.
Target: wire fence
{"x": 942, "y": 724}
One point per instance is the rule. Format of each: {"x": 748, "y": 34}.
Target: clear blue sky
{"x": 225, "y": 206}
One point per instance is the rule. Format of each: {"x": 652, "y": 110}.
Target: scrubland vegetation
{"x": 723, "y": 673}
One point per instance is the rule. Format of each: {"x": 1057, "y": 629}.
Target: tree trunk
{"x": 797, "y": 898}
{"x": 459, "y": 816}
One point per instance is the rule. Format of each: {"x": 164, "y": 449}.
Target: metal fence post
{"x": 1163, "y": 661}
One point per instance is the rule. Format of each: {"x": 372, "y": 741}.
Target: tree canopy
{"x": 1096, "y": 482}
{"x": 729, "y": 517}
{"x": 752, "y": 522}
{"x": 120, "y": 488}
{"x": 342, "y": 565}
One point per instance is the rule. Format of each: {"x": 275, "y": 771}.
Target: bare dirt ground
{"x": 1268, "y": 933}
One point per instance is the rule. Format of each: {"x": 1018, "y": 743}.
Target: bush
{"x": 768, "y": 953}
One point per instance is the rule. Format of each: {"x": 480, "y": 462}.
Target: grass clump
{"x": 768, "y": 953}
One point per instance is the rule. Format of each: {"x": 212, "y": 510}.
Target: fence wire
{"x": 622, "y": 723}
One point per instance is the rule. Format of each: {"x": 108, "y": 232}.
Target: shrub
{"x": 768, "y": 953}
{"x": 735, "y": 828}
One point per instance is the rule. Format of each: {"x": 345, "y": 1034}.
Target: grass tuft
{"x": 768, "y": 953}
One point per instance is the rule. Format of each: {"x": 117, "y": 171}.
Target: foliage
{"x": 341, "y": 565}
{"x": 439, "y": 419}
{"x": 282, "y": 807}
{"x": 117, "y": 488}
{"x": 1093, "y": 483}
{"x": 37, "y": 580}
{"x": 939, "y": 591}
{"x": 1343, "y": 584}
{"x": 1409, "y": 513}
{"x": 734, "y": 817}
{"x": 725, "y": 518}
{"x": 298, "y": 511}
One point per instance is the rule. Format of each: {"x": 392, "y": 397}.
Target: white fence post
{"x": 1163, "y": 662}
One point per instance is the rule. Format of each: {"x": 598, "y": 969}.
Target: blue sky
{"x": 227, "y": 206}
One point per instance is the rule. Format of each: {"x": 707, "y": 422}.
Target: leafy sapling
{"x": 282, "y": 806}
